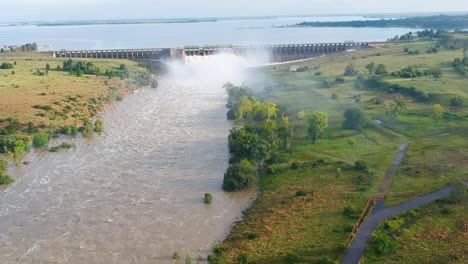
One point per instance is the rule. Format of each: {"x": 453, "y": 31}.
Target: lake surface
{"x": 133, "y": 194}
{"x": 236, "y": 32}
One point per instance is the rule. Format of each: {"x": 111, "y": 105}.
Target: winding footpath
{"x": 380, "y": 213}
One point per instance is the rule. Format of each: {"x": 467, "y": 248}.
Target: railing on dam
{"x": 275, "y": 53}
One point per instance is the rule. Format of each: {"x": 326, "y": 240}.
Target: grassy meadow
{"x": 298, "y": 217}
{"x": 66, "y": 98}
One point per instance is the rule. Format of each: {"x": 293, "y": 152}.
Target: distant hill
{"x": 432, "y": 22}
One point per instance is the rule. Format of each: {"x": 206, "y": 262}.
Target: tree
{"x": 99, "y": 126}
{"x": 371, "y": 68}
{"x": 40, "y": 140}
{"x": 87, "y": 128}
{"x": 318, "y": 122}
{"x": 437, "y": 112}
{"x": 354, "y": 119}
{"x": 239, "y": 176}
{"x": 47, "y": 67}
{"x": 381, "y": 70}
{"x": 350, "y": 70}
{"x": 396, "y": 106}
{"x": 437, "y": 73}
{"x": 122, "y": 67}
{"x": 456, "y": 102}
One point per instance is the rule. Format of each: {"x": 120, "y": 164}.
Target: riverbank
{"x": 40, "y": 95}
{"x": 306, "y": 211}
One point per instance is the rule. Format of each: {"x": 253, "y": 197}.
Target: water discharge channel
{"x": 135, "y": 193}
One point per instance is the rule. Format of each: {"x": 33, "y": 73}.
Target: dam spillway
{"x": 274, "y": 53}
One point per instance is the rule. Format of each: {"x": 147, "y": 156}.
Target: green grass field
{"x": 312, "y": 228}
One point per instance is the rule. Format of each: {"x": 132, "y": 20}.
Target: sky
{"x": 51, "y": 10}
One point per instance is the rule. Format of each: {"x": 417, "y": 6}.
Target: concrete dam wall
{"x": 274, "y": 53}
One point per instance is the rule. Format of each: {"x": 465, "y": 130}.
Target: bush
{"x": 175, "y": 255}
{"x": 239, "y": 176}
{"x": 40, "y": 140}
{"x": 5, "y": 179}
{"x": 278, "y": 159}
{"x": 291, "y": 258}
{"x": 6, "y": 66}
{"x": 243, "y": 258}
{"x": 72, "y": 130}
{"x": 99, "y": 126}
{"x": 354, "y": 119}
{"x": 208, "y": 198}
{"x": 3, "y": 166}
{"x": 349, "y": 211}
{"x": 360, "y": 165}
{"x": 54, "y": 149}
{"x": 382, "y": 244}
{"x": 87, "y": 129}
{"x": 334, "y": 96}
{"x": 339, "y": 80}
{"x": 459, "y": 193}
{"x": 252, "y": 236}
{"x": 295, "y": 165}
{"x": 301, "y": 193}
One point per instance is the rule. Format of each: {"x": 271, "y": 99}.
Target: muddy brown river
{"x": 133, "y": 194}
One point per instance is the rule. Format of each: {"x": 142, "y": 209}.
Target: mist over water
{"x": 135, "y": 193}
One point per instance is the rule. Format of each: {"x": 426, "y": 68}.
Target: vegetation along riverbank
{"x": 347, "y": 115}
{"x": 42, "y": 97}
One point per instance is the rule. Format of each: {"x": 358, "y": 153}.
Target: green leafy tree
{"x": 40, "y": 140}
{"x": 350, "y": 70}
{"x": 437, "y": 112}
{"x": 239, "y": 176}
{"x": 354, "y": 118}
{"x": 371, "y": 68}
{"x": 47, "y": 67}
{"x": 99, "y": 126}
{"x": 456, "y": 102}
{"x": 88, "y": 128}
{"x": 381, "y": 70}
{"x": 317, "y": 123}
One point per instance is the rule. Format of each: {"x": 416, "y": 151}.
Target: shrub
{"x": 54, "y": 149}
{"x": 3, "y": 166}
{"x": 295, "y": 165}
{"x": 218, "y": 249}
{"x": 354, "y": 119}
{"x": 40, "y": 140}
{"x": 99, "y": 126}
{"x": 459, "y": 193}
{"x": 208, "y": 198}
{"x": 252, "y": 236}
{"x": 334, "y": 96}
{"x": 318, "y": 73}
{"x": 301, "y": 193}
{"x": 5, "y": 179}
{"x": 449, "y": 211}
{"x": 87, "y": 129}
{"x": 243, "y": 258}
{"x": 6, "y": 66}
{"x": 278, "y": 159}
{"x": 382, "y": 244}
{"x": 239, "y": 176}
{"x": 188, "y": 259}
{"x": 291, "y": 258}
{"x": 72, "y": 130}
{"x": 325, "y": 260}
{"x": 339, "y": 80}
{"x": 360, "y": 165}
{"x": 349, "y": 211}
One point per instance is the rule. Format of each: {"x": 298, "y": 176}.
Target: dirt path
{"x": 380, "y": 213}
{"x": 359, "y": 244}
{"x": 399, "y": 157}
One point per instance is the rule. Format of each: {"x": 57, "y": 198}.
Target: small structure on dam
{"x": 274, "y": 53}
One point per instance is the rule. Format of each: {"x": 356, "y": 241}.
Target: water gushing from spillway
{"x": 133, "y": 194}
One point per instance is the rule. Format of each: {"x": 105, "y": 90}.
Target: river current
{"x": 133, "y": 194}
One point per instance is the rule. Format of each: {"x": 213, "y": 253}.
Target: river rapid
{"x": 135, "y": 193}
